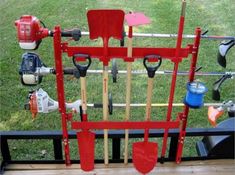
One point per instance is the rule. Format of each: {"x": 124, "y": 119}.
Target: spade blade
{"x": 144, "y": 156}
{"x": 86, "y": 143}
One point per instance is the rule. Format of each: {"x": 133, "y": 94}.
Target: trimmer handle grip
{"x": 224, "y": 47}
{"x": 75, "y": 34}
{"x": 150, "y": 68}
{"x": 217, "y": 84}
{"x": 82, "y": 68}
{"x": 69, "y": 71}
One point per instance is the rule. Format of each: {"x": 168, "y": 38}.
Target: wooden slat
{"x": 213, "y": 167}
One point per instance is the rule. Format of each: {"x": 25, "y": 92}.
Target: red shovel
{"x": 86, "y": 139}
{"x": 145, "y": 153}
{"x": 105, "y": 24}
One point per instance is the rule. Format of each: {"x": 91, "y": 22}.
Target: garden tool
{"x": 214, "y": 112}
{"x": 32, "y": 69}
{"x": 218, "y": 84}
{"x": 132, "y": 19}
{"x": 86, "y": 139}
{"x": 105, "y": 24}
{"x": 40, "y": 102}
{"x": 224, "y": 47}
{"x": 145, "y": 153}
{"x": 30, "y": 32}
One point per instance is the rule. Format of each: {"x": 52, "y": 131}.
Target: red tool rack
{"x": 176, "y": 55}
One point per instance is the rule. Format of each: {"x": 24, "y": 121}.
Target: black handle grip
{"x": 152, "y": 69}
{"x": 110, "y": 105}
{"x": 114, "y": 70}
{"x": 122, "y": 41}
{"x": 69, "y": 71}
{"x": 217, "y": 85}
{"x": 75, "y": 34}
{"x": 82, "y": 68}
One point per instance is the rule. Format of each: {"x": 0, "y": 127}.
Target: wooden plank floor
{"x": 208, "y": 167}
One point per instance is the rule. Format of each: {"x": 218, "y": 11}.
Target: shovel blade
{"x": 144, "y": 156}
{"x": 86, "y": 143}
{"x": 105, "y": 23}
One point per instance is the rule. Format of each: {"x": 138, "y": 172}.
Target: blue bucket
{"x": 195, "y": 94}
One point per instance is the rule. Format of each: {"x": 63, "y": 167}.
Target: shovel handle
{"x": 128, "y": 92}
{"x": 105, "y": 112}
{"x": 152, "y": 69}
{"x": 82, "y": 68}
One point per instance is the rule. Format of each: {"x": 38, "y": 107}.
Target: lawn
{"x": 216, "y": 16}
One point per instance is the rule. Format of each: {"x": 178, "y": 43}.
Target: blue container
{"x": 195, "y": 94}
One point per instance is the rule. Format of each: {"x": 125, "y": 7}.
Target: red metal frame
{"x": 173, "y": 82}
{"x": 60, "y": 91}
{"x": 121, "y": 52}
{"x": 126, "y": 125}
{"x": 184, "y": 115}
{"x": 174, "y": 54}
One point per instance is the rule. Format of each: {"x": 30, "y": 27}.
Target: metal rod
{"x": 158, "y": 35}
{"x": 70, "y": 71}
{"x": 166, "y": 72}
{"x": 153, "y": 104}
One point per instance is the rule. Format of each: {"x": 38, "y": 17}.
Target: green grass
{"x": 217, "y": 16}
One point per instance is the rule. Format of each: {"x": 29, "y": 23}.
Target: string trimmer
{"x": 40, "y": 102}
{"x": 32, "y": 69}
{"x": 30, "y": 32}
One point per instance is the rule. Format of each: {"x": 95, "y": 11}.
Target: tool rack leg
{"x": 186, "y": 108}
{"x": 60, "y": 90}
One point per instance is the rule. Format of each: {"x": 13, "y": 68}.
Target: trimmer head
{"x": 224, "y": 47}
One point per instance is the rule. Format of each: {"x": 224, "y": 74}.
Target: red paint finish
{"x": 29, "y": 29}
{"x": 186, "y": 108}
{"x": 125, "y": 125}
{"x": 144, "y": 156}
{"x": 121, "y": 52}
{"x": 60, "y": 90}
{"x": 105, "y": 54}
{"x": 173, "y": 82}
{"x": 86, "y": 142}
